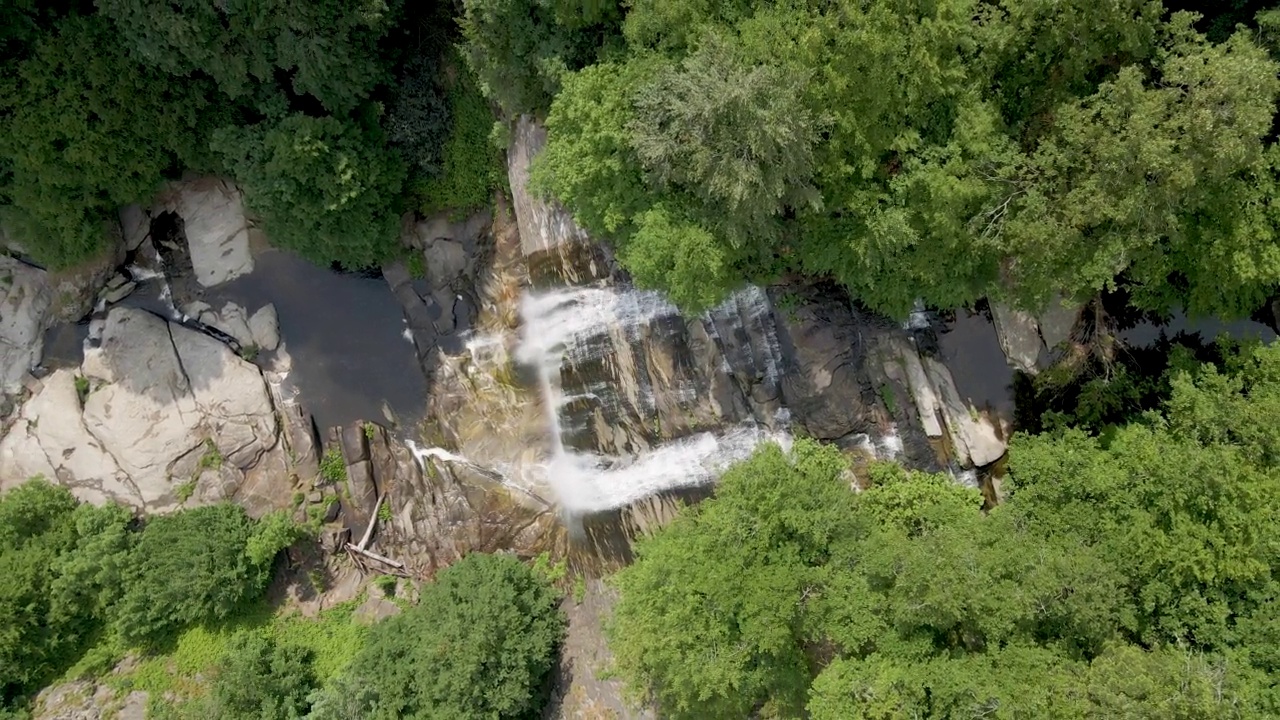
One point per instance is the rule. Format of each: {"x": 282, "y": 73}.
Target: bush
{"x": 472, "y": 166}
{"x": 479, "y": 644}
{"x": 36, "y": 527}
{"x": 87, "y": 129}
{"x": 260, "y": 679}
{"x": 190, "y": 567}
{"x": 418, "y": 125}
{"x": 324, "y": 188}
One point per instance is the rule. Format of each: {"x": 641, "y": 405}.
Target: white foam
{"x": 555, "y": 326}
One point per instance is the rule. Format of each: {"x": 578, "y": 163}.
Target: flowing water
{"x": 623, "y": 388}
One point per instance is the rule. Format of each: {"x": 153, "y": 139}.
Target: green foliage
{"x": 323, "y": 187}
{"x": 419, "y": 122}
{"x": 184, "y": 491}
{"x": 271, "y": 534}
{"x": 677, "y": 255}
{"x": 332, "y": 467}
{"x": 87, "y": 129}
{"x": 212, "y": 457}
{"x": 479, "y": 644}
{"x": 261, "y": 679}
{"x": 189, "y": 567}
{"x": 328, "y": 49}
{"x": 943, "y": 151}
{"x": 386, "y": 583}
{"x": 588, "y": 162}
{"x": 471, "y": 166}
{"x": 519, "y": 50}
{"x": 733, "y": 134}
{"x": 82, "y": 388}
{"x": 1125, "y": 576}
{"x": 183, "y": 672}
{"x": 36, "y": 528}
{"x": 708, "y": 614}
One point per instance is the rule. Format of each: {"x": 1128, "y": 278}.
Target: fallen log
{"x": 373, "y": 520}
{"x": 375, "y": 556}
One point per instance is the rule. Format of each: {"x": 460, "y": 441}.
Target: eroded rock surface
{"x": 1019, "y": 334}
{"x": 439, "y": 510}
{"x": 26, "y": 302}
{"x": 544, "y": 224}
{"x": 217, "y": 231}
{"x": 158, "y": 414}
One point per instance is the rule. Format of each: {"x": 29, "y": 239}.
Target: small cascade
{"x": 421, "y": 455}
{"x": 588, "y": 483}
{"x": 890, "y": 446}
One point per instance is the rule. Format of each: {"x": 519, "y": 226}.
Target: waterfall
{"x": 557, "y": 325}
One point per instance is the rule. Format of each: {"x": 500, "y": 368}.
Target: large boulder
{"x": 25, "y": 304}
{"x": 1019, "y": 335}
{"x": 163, "y": 405}
{"x": 972, "y": 438}
{"x": 51, "y": 440}
{"x": 1057, "y": 321}
{"x": 216, "y": 228}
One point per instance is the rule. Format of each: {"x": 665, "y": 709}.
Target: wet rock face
{"x": 26, "y": 301}
{"x": 1025, "y": 337}
{"x": 154, "y": 408}
{"x": 824, "y": 383}
{"x": 436, "y": 510}
{"x": 213, "y": 220}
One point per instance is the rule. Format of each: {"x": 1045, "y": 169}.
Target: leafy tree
{"x": 589, "y": 162}
{"x": 36, "y": 527}
{"x": 89, "y": 576}
{"x": 1025, "y": 682}
{"x": 737, "y": 136}
{"x": 189, "y": 567}
{"x": 680, "y": 256}
{"x": 260, "y": 679}
{"x": 322, "y": 187}
{"x": 88, "y": 129}
{"x": 710, "y": 616}
{"x": 328, "y": 50}
{"x": 478, "y": 645}
{"x": 471, "y": 165}
{"x": 418, "y": 124}
{"x": 1100, "y": 196}
{"x": 520, "y": 50}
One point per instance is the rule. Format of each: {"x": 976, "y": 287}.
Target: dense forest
{"x": 1130, "y": 574}
{"x": 1026, "y": 151}
{"x": 943, "y": 151}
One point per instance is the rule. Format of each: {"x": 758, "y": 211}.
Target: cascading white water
{"x": 556, "y": 325}
{"x": 421, "y": 455}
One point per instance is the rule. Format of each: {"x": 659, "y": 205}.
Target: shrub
{"x": 332, "y": 467}
{"x": 478, "y": 645}
{"x": 472, "y": 165}
{"x": 261, "y": 679}
{"x": 189, "y": 567}
{"x": 324, "y": 188}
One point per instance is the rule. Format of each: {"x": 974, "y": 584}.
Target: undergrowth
{"x": 182, "y": 671}
{"x": 473, "y": 166}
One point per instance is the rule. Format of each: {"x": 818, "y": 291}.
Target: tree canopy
{"x": 479, "y": 644}
{"x": 73, "y": 572}
{"x": 942, "y": 151}
{"x": 1127, "y": 575}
